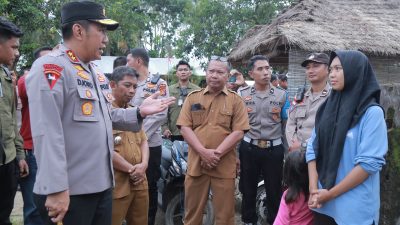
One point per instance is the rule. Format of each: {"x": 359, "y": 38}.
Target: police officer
{"x": 72, "y": 121}
{"x": 138, "y": 59}
{"x": 261, "y": 150}
{"x": 179, "y": 90}
{"x": 302, "y": 112}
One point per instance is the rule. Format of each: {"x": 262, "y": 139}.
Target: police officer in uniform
{"x": 72, "y": 121}
{"x": 138, "y": 59}
{"x": 261, "y": 150}
{"x": 302, "y": 112}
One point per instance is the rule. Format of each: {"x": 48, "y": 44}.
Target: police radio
{"x": 300, "y": 93}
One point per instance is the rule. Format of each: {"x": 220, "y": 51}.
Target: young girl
{"x": 294, "y": 209}
{"x": 347, "y": 148}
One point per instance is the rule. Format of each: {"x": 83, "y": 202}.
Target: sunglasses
{"x": 219, "y": 58}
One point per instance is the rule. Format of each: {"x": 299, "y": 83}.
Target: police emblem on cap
{"x": 311, "y": 57}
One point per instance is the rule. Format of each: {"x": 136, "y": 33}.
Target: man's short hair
{"x": 141, "y": 53}
{"x": 66, "y": 29}
{"x": 273, "y": 78}
{"x": 8, "y": 30}
{"x": 36, "y": 53}
{"x": 282, "y": 77}
{"x": 119, "y": 61}
{"x": 182, "y": 62}
{"x": 254, "y": 59}
{"x": 121, "y": 71}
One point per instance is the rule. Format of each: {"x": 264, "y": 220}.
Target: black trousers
{"x": 87, "y": 209}
{"x": 322, "y": 219}
{"x": 9, "y": 174}
{"x": 255, "y": 161}
{"x": 153, "y": 173}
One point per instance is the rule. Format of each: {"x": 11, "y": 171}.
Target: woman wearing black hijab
{"x": 346, "y": 150}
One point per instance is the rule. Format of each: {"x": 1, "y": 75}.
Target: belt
{"x": 263, "y": 143}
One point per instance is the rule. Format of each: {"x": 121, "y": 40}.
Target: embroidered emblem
{"x": 101, "y": 78}
{"x": 71, "y": 56}
{"x": 150, "y": 85}
{"x": 52, "y": 73}
{"x": 88, "y": 94}
{"x": 271, "y": 91}
{"x": 163, "y": 89}
{"x": 78, "y": 67}
{"x": 87, "y": 108}
{"x": 276, "y": 110}
{"x": 275, "y": 117}
{"x": 324, "y": 92}
{"x": 109, "y": 97}
{"x": 249, "y": 109}
{"x": 83, "y": 75}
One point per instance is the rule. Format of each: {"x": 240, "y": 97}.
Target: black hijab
{"x": 342, "y": 111}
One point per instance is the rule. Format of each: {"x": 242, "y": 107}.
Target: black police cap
{"x": 316, "y": 57}
{"x": 86, "y": 10}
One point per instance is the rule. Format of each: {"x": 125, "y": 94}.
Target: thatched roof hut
{"x": 371, "y": 26}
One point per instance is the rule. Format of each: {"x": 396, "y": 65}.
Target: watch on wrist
{"x": 139, "y": 116}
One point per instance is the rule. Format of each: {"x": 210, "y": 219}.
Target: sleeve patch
{"x": 52, "y": 73}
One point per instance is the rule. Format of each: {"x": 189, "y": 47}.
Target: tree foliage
{"x": 166, "y": 28}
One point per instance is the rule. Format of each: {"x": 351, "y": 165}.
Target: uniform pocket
{"x": 300, "y": 113}
{"x": 225, "y": 118}
{"x": 197, "y": 117}
{"x": 87, "y": 107}
{"x": 275, "y": 114}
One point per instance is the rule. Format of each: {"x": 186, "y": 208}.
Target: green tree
{"x": 213, "y": 26}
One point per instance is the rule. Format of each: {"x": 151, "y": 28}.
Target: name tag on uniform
{"x": 1, "y": 91}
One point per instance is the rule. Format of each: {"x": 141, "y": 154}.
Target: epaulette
{"x": 6, "y": 70}
{"x": 155, "y": 78}
{"x": 234, "y": 92}
{"x": 195, "y": 91}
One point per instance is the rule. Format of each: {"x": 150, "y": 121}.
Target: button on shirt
{"x": 213, "y": 118}
{"x": 301, "y": 119}
{"x": 264, "y": 112}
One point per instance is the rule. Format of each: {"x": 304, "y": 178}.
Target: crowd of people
{"x": 89, "y": 147}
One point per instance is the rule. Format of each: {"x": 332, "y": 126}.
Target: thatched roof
{"x": 371, "y": 26}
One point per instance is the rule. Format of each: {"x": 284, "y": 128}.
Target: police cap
{"x": 86, "y": 10}
{"x": 316, "y": 57}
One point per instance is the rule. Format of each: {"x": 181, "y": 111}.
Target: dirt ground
{"x": 17, "y": 213}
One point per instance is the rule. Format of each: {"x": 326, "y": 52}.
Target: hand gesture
{"x": 152, "y": 105}
{"x": 23, "y": 168}
{"x": 138, "y": 173}
{"x": 209, "y": 158}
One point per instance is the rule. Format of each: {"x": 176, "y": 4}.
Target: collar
{"x": 225, "y": 90}
{"x": 324, "y": 92}
{"x": 73, "y": 58}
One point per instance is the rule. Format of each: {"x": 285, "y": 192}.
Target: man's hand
{"x": 138, "y": 173}
{"x": 57, "y": 205}
{"x": 209, "y": 158}
{"x": 23, "y": 168}
{"x": 167, "y": 133}
{"x": 152, "y": 105}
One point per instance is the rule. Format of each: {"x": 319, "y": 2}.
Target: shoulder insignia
{"x": 195, "y": 91}
{"x": 83, "y": 75}
{"x": 71, "y": 56}
{"x": 52, "y": 73}
{"x": 163, "y": 89}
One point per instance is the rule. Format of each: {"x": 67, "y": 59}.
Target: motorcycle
{"x": 261, "y": 203}
{"x": 171, "y": 193}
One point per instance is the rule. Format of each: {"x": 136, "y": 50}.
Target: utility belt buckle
{"x": 264, "y": 144}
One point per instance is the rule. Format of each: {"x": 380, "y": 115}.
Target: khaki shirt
{"x": 71, "y": 123}
{"x": 302, "y": 115}
{"x": 212, "y": 119}
{"x": 152, "y": 123}
{"x": 127, "y": 144}
{"x": 175, "y": 109}
{"x": 264, "y": 111}
{"x": 10, "y": 140}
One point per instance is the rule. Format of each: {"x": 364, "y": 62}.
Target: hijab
{"x": 342, "y": 111}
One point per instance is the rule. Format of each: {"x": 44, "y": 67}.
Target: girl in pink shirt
{"x": 293, "y": 209}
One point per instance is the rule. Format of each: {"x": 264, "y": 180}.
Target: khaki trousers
{"x": 196, "y": 196}
{"x": 132, "y": 208}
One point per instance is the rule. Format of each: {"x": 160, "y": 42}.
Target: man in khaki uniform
{"x": 212, "y": 121}
{"x": 302, "y": 112}
{"x": 261, "y": 150}
{"x": 139, "y": 59}
{"x": 179, "y": 90}
{"x": 130, "y": 159}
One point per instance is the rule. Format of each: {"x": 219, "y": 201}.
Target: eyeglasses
{"x": 335, "y": 68}
{"x": 219, "y": 58}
